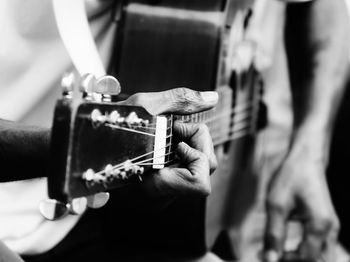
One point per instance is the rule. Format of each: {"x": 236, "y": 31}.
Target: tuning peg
{"x": 98, "y": 200}
{"x": 52, "y": 209}
{"x": 108, "y": 86}
{"x": 87, "y": 85}
{"x": 77, "y": 206}
{"x": 67, "y": 83}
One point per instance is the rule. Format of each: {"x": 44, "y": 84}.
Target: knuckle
{"x": 213, "y": 163}
{"x": 200, "y": 155}
{"x": 137, "y": 99}
{"x": 202, "y": 179}
{"x": 185, "y": 98}
{"x": 192, "y": 154}
{"x": 205, "y": 188}
{"x": 203, "y": 129}
{"x": 276, "y": 205}
{"x": 182, "y": 128}
{"x": 188, "y": 151}
{"x": 322, "y": 224}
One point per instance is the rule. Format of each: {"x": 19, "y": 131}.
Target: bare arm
{"x": 24, "y": 151}
{"x": 317, "y": 49}
{"x": 317, "y": 41}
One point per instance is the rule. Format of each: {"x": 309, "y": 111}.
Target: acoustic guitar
{"x": 100, "y": 146}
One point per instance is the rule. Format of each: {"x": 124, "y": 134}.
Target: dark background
{"x": 339, "y": 167}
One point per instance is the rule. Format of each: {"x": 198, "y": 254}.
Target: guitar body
{"x": 171, "y": 43}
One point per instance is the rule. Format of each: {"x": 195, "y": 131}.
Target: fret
{"x": 227, "y": 121}
{"x": 242, "y": 116}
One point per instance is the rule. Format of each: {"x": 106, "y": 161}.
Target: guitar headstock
{"x": 98, "y": 145}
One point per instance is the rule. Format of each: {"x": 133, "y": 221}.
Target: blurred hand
{"x": 196, "y": 152}
{"x": 299, "y": 190}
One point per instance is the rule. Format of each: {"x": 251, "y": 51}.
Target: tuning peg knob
{"x": 52, "y": 209}
{"x": 108, "y": 85}
{"x": 98, "y": 200}
{"x": 77, "y": 206}
{"x": 88, "y": 84}
{"x": 67, "y": 83}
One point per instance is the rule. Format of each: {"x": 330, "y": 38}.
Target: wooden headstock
{"x": 98, "y": 145}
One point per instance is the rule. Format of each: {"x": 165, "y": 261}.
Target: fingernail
{"x": 210, "y": 96}
{"x": 183, "y": 145}
{"x": 182, "y": 150}
{"x": 271, "y": 256}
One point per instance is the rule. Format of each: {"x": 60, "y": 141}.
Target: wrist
{"x": 310, "y": 143}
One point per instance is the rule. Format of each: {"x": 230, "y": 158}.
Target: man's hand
{"x": 299, "y": 191}
{"x": 317, "y": 44}
{"x": 182, "y": 101}
{"x": 196, "y": 152}
{"x": 197, "y": 161}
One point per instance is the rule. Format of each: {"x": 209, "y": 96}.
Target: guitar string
{"x": 151, "y": 159}
{"x": 141, "y": 156}
{"x": 209, "y": 121}
{"x": 238, "y": 133}
{"x": 237, "y": 122}
{"x": 239, "y": 108}
{"x": 105, "y": 183}
{"x": 235, "y": 135}
{"x": 232, "y": 113}
{"x": 142, "y": 162}
{"x": 129, "y": 129}
{"x": 168, "y": 145}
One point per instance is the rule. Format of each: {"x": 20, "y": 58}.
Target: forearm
{"x": 317, "y": 48}
{"x": 24, "y": 151}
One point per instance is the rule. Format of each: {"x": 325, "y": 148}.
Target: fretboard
{"x": 228, "y": 120}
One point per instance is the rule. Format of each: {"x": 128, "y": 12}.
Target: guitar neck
{"x": 227, "y": 121}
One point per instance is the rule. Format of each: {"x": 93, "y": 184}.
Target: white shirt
{"x": 32, "y": 61}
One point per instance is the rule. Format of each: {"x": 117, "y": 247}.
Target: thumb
{"x": 176, "y": 101}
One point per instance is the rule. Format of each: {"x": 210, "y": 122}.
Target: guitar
{"x": 98, "y": 145}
